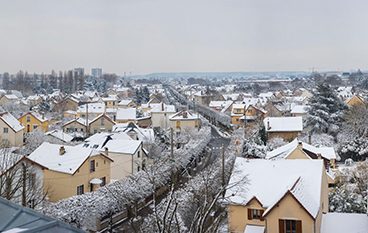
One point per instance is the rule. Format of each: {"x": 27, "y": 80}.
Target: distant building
{"x": 96, "y": 72}
{"x": 78, "y": 72}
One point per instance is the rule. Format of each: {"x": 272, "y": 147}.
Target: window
{"x": 92, "y": 167}
{"x": 35, "y": 126}
{"x": 28, "y": 119}
{"x": 255, "y": 214}
{"x": 95, "y": 146}
{"x": 138, "y": 155}
{"x": 177, "y": 124}
{"x": 102, "y": 121}
{"x": 6, "y": 130}
{"x": 290, "y": 226}
{"x": 80, "y": 189}
{"x": 103, "y": 179}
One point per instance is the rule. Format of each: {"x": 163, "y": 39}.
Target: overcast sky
{"x": 143, "y": 36}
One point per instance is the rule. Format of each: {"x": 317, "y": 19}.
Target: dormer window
{"x": 255, "y": 214}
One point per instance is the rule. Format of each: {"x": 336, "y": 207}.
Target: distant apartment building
{"x": 96, "y": 72}
{"x": 78, "y": 72}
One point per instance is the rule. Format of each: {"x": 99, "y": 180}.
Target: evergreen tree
{"x": 325, "y": 112}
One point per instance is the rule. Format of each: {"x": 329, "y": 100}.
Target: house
{"x": 59, "y": 135}
{"x": 8, "y": 99}
{"x": 301, "y": 150}
{"x": 33, "y": 120}
{"x": 71, "y": 170}
{"x": 69, "y": 103}
{"x": 16, "y": 218}
{"x": 34, "y": 100}
{"x": 202, "y": 98}
{"x": 355, "y": 100}
{"x": 11, "y": 131}
{"x": 111, "y": 101}
{"x": 237, "y": 112}
{"x": 286, "y": 128}
{"x": 76, "y": 127}
{"x": 344, "y": 222}
{"x": 91, "y": 110}
{"x": 252, "y": 113}
{"x": 126, "y": 104}
{"x": 128, "y": 154}
{"x": 14, "y": 168}
{"x": 101, "y": 123}
{"x": 126, "y": 115}
{"x": 184, "y": 120}
{"x": 221, "y": 106}
{"x": 146, "y": 135}
{"x": 160, "y": 115}
{"x": 299, "y": 110}
{"x": 277, "y": 196}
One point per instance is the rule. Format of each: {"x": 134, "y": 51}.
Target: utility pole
{"x": 87, "y": 124}
{"x": 172, "y": 142}
{"x": 223, "y": 166}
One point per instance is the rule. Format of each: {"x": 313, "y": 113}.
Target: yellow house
{"x": 128, "y": 154}
{"x": 355, "y": 100}
{"x": 277, "y": 196}
{"x": 32, "y": 121}
{"x": 184, "y": 120}
{"x": 237, "y": 112}
{"x": 111, "y": 101}
{"x": 301, "y": 150}
{"x": 11, "y": 131}
{"x": 71, "y": 170}
{"x": 287, "y": 128}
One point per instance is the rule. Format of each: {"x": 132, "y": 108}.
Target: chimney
{"x": 106, "y": 151}
{"x": 62, "y": 150}
{"x": 310, "y": 138}
{"x": 268, "y": 125}
{"x": 185, "y": 114}
{"x": 162, "y": 106}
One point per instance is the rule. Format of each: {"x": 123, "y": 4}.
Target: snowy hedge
{"x": 85, "y": 210}
{"x": 193, "y": 203}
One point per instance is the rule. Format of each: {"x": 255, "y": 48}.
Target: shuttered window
{"x": 255, "y": 214}
{"x": 290, "y": 226}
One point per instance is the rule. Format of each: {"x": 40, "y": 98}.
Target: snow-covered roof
{"x": 344, "y": 223}
{"x": 11, "y": 97}
{"x": 299, "y": 109}
{"x": 59, "y": 134}
{"x": 11, "y": 121}
{"x": 125, "y": 102}
{"x": 270, "y": 180}
{"x": 254, "y": 229}
{"x": 285, "y": 150}
{"x": 231, "y": 96}
{"x": 161, "y": 107}
{"x": 92, "y": 108}
{"x": 184, "y": 115}
{"x": 115, "y": 142}
{"x": 283, "y": 124}
{"x": 79, "y": 120}
{"x": 48, "y": 155}
{"x": 38, "y": 116}
{"x": 126, "y": 114}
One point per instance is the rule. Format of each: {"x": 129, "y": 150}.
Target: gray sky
{"x": 143, "y": 36}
